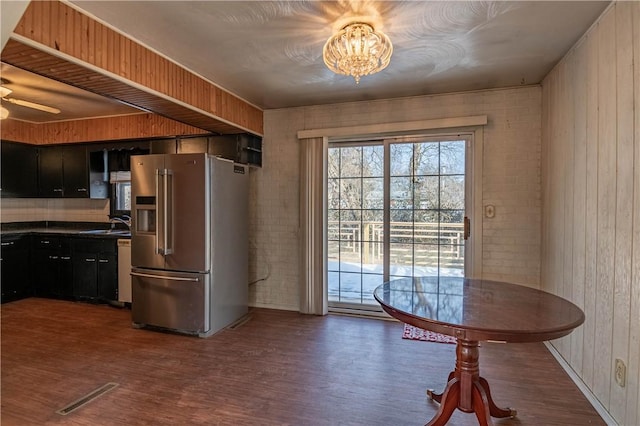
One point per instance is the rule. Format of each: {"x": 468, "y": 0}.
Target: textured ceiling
{"x": 270, "y": 53}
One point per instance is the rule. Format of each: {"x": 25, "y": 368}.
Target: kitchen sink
{"x": 123, "y": 232}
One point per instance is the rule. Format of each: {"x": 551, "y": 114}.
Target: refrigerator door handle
{"x": 163, "y": 277}
{"x": 168, "y": 211}
{"x": 160, "y": 212}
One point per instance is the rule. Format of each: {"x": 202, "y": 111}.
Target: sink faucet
{"x": 124, "y": 219}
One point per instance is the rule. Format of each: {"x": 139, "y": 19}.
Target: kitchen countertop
{"x": 76, "y": 229}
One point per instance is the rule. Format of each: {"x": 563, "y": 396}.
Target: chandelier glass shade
{"x": 4, "y": 113}
{"x": 357, "y": 50}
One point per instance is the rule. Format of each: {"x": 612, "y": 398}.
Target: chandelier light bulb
{"x": 357, "y": 50}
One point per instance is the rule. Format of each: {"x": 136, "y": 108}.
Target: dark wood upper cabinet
{"x": 63, "y": 172}
{"x": 19, "y": 170}
{"x": 50, "y": 172}
{"x": 75, "y": 168}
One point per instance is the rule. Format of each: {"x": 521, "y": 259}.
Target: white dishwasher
{"x": 124, "y": 270}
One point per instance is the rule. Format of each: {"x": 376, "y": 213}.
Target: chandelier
{"x": 357, "y": 50}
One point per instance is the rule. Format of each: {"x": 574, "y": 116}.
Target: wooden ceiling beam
{"x": 59, "y": 42}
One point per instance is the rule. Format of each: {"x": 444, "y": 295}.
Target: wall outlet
{"x": 620, "y": 372}
{"x": 490, "y": 211}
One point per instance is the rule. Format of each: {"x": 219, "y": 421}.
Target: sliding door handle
{"x": 467, "y": 228}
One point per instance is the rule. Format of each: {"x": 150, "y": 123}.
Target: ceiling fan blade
{"x": 33, "y": 105}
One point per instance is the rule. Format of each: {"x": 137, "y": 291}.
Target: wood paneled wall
{"x": 135, "y": 126}
{"x": 64, "y": 29}
{"x": 591, "y": 203}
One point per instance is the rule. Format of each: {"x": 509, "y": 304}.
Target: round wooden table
{"x": 473, "y": 311}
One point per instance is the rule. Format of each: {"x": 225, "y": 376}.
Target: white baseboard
{"x": 582, "y": 386}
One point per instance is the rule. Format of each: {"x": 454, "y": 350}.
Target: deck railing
{"x": 427, "y": 243}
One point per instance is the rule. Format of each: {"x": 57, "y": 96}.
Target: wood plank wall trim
{"x": 591, "y": 204}
{"x": 58, "y": 26}
{"x": 135, "y": 126}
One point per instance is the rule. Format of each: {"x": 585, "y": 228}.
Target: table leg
{"x": 493, "y": 408}
{"x": 466, "y": 390}
{"x": 437, "y": 397}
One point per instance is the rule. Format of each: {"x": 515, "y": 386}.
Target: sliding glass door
{"x": 396, "y": 208}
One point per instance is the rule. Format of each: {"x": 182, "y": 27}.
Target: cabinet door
{"x": 63, "y": 287}
{"x": 19, "y": 170}
{"x": 50, "y": 172}
{"x": 85, "y": 275}
{"x": 75, "y": 172}
{"x": 108, "y": 277}
{"x": 14, "y": 269}
{"x": 45, "y": 279}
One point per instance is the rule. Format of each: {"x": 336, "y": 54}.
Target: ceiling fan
{"x": 5, "y": 92}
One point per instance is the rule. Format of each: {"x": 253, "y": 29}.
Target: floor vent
{"x": 86, "y": 399}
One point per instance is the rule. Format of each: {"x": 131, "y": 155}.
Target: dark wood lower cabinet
{"x": 108, "y": 277}
{"x": 14, "y": 267}
{"x": 53, "y": 267}
{"x": 85, "y": 274}
{"x": 60, "y": 267}
{"x": 95, "y": 269}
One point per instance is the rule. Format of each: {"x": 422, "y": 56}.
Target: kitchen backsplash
{"x": 63, "y": 209}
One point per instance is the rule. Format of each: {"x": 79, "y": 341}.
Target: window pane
{"x": 333, "y": 282}
{"x": 401, "y": 259}
{"x": 401, "y": 226}
{"x": 333, "y": 163}
{"x": 350, "y": 226}
{"x": 426, "y": 260}
{"x": 401, "y": 192}
{"x": 426, "y": 158}
{"x": 452, "y": 192}
{"x": 351, "y": 162}
{"x": 373, "y": 161}
{"x": 426, "y": 192}
{"x": 333, "y": 193}
{"x": 350, "y": 256}
{"x": 350, "y": 287}
{"x": 369, "y": 283}
{"x": 401, "y": 159}
{"x": 350, "y": 192}
{"x": 452, "y": 158}
{"x": 373, "y": 193}
{"x": 426, "y": 226}
{"x": 333, "y": 253}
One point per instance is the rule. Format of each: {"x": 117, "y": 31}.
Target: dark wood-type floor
{"x": 279, "y": 368}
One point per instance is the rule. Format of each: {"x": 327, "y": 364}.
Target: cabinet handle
{"x": 10, "y": 243}
{"x": 45, "y": 242}
{"x": 89, "y": 260}
{"x": 103, "y": 261}
{"x": 82, "y": 189}
{"x": 57, "y": 189}
{"x": 53, "y": 257}
{"x": 65, "y": 257}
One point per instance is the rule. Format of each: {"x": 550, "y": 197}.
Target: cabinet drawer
{"x": 15, "y": 242}
{"x": 95, "y": 245}
{"x": 46, "y": 242}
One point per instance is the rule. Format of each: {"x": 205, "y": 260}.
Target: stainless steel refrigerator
{"x": 189, "y": 243}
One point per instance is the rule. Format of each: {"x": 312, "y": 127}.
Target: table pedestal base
{"x": 466, "y": 390}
